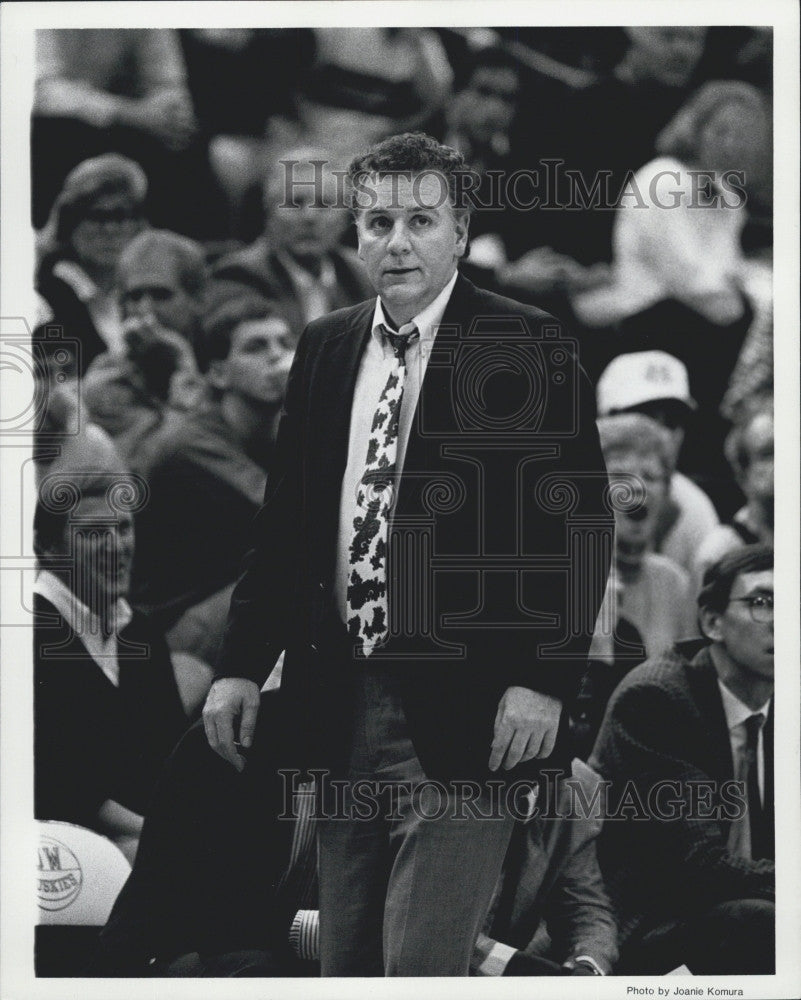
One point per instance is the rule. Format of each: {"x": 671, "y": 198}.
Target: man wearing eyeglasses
{"x": 687, "y": 746}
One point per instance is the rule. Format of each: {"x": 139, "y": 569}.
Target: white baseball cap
{"x": 632, "y": 379}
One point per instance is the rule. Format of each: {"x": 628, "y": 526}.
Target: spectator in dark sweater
{"x": 207, "y": 471}
{"x": 299, "y": 263}
{"x": 108, "y": 709}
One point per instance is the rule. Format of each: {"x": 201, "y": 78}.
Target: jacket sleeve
{"x": 578, "y": 912}
{"x": 259, "y": 620}
{"x": 639, "y": 746}
{"x": 568, "y": 521}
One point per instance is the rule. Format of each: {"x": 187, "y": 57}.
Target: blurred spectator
{"x": 648, "y": 604}
{"x": 298, "y": 263}
{"x": 161, "y": 283}
{"x": 749, "y": 450}
{"x": 687, "y": 744}
{"x": 752, "y": 378}
{"x": 122, "y": 90}
{"x": 657, "y": 385}
{"x": 551, "y": 914}
{"x": 162, "y": 278}
{"x": 680, "y": 238}
{"x": 97, "y": 213}
{"x": 602, "y": 129}
{"x": 681, "y": 282}
{"x": 368, "y": 83}
{"x": 207, "y": 475}
{"x": 244, "y": 84}
{"x": 108, "y": 709}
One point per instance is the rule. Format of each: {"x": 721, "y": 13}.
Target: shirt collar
{"x": 426, "y": 321}
{"x": 737, "y": 711}
{"x": 303, "y": 278}
{"x": 73, "y": 611}
{"x": 79, "y": 281}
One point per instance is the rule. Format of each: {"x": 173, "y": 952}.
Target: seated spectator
{"x": 599, "y": 129}
{"x": 121, "y": 90}
{"x": 681, "y": 282}
{"x": 749, "y": 450}
{"x": 690, "y": 868}
{"x": 244, "y": 84}
{"x": 95, "y": 216}
{"x": 551, "y": 914}
{"x": 648, "y": 604}
{"x": 657, "y": 385}
{"x": 131, "y": 392}
{"x": 679, "y": 237}
{"x": 108, "y": 708}
{"x": 183, "y": 912}
{"x": 298, "y": 263}
{"x": 368, "y": 83}
{"x": 207, "y": 472}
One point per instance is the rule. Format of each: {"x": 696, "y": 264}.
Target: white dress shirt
{"x": 378, "y": 361}
{"x": 85, "y": 623}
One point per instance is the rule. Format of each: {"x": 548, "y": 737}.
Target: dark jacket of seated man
{"x": 690, "y": 871}
{"x": 223, "y": 886}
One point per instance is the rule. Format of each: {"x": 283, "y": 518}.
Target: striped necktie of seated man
{"x": 368, "y": 606}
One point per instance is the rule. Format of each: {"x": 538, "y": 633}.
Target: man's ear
{"x": 217, "y": 375}
{"x": 709, "y": 621}
{"x": 462, "y": 233}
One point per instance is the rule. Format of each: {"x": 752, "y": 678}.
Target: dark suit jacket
{"x": 257, "y": 268}
{"x": 499, "y": 471}
{"x": 95, "y": 741}
{"x": 666, "y": 722}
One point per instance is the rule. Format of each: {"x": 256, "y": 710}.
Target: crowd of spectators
{"x": 174, "y": 282}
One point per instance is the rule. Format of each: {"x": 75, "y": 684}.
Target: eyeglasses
{"x": 759, "y": 605}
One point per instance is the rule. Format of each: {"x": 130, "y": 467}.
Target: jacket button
{"x": 313, "y": 647}
{"x": 321, "y": 586}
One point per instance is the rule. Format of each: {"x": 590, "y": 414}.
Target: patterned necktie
{"x": 367, "y": 584}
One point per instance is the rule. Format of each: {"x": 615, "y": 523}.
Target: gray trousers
{"x": 407, "y": 870}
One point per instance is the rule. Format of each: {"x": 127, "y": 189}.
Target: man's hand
{"x": 231, "y": 699}
{"x": 525, "y": 727}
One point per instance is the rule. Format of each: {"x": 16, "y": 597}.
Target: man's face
{"x": 667, "y": 55}
{"x": 150, "y": 289}
{"x": 311, "y": 227}
{"x": 101, "y": 549}
{"x": 634, "y": 530}
{"x": 410, "y": 239}
{"x": 491, "y": 107}
{"x": 748, "y": 644}
{"x": 257, "y": 366}
{"x": 108, "y": 227}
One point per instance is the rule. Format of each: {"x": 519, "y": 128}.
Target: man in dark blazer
{"x": 424, "y": 654}
{"x": 298, "y": 263}
{"x": 687, "y": 744}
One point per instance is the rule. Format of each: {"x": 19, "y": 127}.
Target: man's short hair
{"x": 188, "y": 257}
{"x": 720, "y": 576}
{"x": 218, "y": 328}
{"x": 414, "y": 153}
{"x": 636, "y": 434}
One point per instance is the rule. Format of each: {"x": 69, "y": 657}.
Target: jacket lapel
{"x": 703, "y": 680}
{"x": 331, "y": 388}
